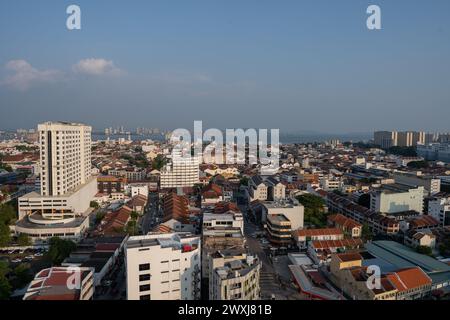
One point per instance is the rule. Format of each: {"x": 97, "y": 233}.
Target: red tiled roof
{"x": 137, "y": 201}
{"x": 343, "y": 221}
{"x": 423, "y": 221}
{"x": 344, "y": 243}
{"x": 162, "y": 228}
{"x": 106, "y": 246}
{"x": 212, "y": 190}
{"x": 222, "y": 207}
{"x": 350, "y": 256}
{"x": 176, "y": 207}
{"x": 409, "y": 278}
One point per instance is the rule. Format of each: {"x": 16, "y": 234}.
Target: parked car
{"x": 16, "y": 261}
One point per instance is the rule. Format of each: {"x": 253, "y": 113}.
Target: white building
{"x": 435, "y": 151}
{"x": 439, "y": 208}
{"x": 266, "y": 188}
{"x": 330, "y": 183}
{"x": 229, "y": 220}
{"x": 291, "y": 209}
{"x": 392, "y": 198}
{"x": 431, "y": 185}
{"x": 139, "y": 189}
{"x": 234, "y": 277}
{"x": 180, "y": 172}
{"x": 163, "y": 266}
{"x": 67, "y": 187}
{"x": 65, "y": 156}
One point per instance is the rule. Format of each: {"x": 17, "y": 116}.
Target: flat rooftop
{"x": 25, "y": 223}
{"x": 280, "y": 204}
{"x": 163, "y": 240}
{"x": 395, "y": 188}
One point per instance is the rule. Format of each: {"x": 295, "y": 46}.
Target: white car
{"x": 16, "y": 260}
{"x": 38, "y": 254}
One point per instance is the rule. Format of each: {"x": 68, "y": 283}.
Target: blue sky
{"x": 294, "y": 65}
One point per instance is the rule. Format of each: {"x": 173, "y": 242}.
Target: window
{"x": 145, "y": 297}
{"x": 144, "y": 277}
{"x": 144, "y": 287}
{"x": 145, "y": 266}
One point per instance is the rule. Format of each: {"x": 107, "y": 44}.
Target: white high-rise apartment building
{"x": 65, "y": 156}
{"x": 181, "y": 172}
{"x": 67, "y": 187}
{"x": 386, "y": 139}
{"x": 163, "y": 266}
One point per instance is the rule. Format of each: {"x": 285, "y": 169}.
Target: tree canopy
{"x": 60, "y": 249}
{"x": 314, "y": 210}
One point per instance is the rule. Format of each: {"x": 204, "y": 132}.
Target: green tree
{"x": 5, "y": 235}
{"x": 403, "y": 151}
{"x": 5, "y": 167}
{"x": 99, "y": 217}
{"x": 22, "y": 275}
{"x": 366, "y": 234}
{"x": 7, "y": 214}
{"x": 131, "y": 228}
{"x": 314, "y": 210}
{"x": 244, "y": 181}
{"x": 134, "y": 215}
{"x": 159, "y": 162}
{"x": 60, "y": 249}
{"x": 424, "y": 250}
{"x": 5, "y": 286}
{"x": 418, "y": 164}
{"x": 23, "y": 240}
{"x": 94, "y": 204}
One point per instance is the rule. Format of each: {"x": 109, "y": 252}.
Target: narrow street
{"x": 148, "y": 220}
{"x": 270, "y": 281}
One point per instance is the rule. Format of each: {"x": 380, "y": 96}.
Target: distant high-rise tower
{"x": 65, "y": 156}
{"x": 386, "y": 139}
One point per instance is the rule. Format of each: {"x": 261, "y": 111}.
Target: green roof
{"x": 404, "y": 257}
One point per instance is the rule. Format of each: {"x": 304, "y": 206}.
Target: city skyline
{"x": 236, "y": 65}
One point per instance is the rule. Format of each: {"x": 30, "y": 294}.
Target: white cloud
{"x": 94, "y": 66}
{"x": 25, "y": 75}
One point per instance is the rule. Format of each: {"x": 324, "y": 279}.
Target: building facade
{"x": 234, "y": 277}
{"x": 163, "y": 266}
{"x": 67, "y": 186}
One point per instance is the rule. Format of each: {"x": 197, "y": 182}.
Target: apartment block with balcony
{"x": 234, "y": 277}
{"x": 163, "y": 266}
{"x": 279, "y": 230}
